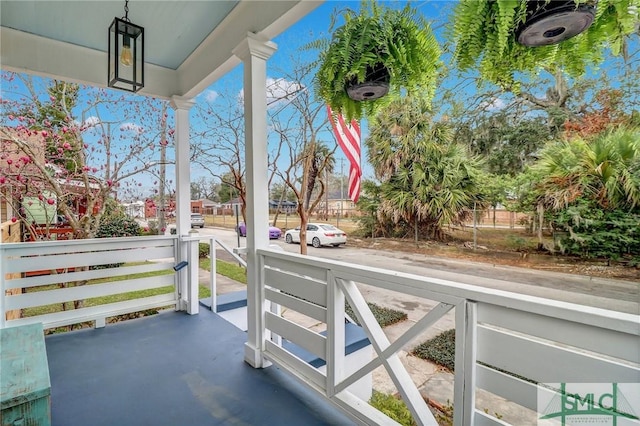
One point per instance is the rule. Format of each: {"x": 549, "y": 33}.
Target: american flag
{"x": 348, "y": 137}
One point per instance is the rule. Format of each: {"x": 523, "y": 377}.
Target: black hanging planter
{"x": 554, "y": 21}
{"x": 375, "y": 86}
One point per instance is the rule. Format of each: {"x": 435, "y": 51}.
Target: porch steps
{"x": 227, "y": 301}
{"x": 232, "y": 307}
{"x": 355, "y": 339}
{"x": 358, "y": 350}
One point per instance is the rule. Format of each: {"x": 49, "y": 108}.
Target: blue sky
{"x": 314, "y": 26}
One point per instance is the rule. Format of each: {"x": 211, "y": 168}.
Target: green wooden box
{"x": 25, "y": 387}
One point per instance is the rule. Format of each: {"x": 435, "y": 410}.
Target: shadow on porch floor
{"x": 172, "y": 369}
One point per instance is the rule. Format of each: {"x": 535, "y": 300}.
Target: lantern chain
{"x": 126, "y": 11}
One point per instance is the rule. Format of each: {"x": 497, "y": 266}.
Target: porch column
{"x": 189, "y": 278}
{"x": 254, "y": 52}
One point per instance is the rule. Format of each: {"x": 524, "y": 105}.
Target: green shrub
{"x": 384, "y": 316}
{"x": 392, "y": 407}
{"x": 203, "y": 250}
{"x": 517, "y": 243}
{"x": 118, "y": 226}
{"x": 440, "y": 350}
{"x": 152, "y": 228}
{"x": 595, "y": 233}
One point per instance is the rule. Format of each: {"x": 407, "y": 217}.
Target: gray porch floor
{"x": 172, "y": 369}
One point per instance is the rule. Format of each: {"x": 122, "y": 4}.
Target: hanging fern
{"x": 401, "y": 40}
{"x": 484, "y": 34}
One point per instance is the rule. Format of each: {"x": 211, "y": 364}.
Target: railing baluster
{"x": 213, "y": 283}
{"x": 335, "y": 334}
{"x": 465, "y": 362}
{"x": 193, "y": 301}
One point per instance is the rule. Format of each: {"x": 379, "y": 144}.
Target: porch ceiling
{"x": 188, "y": 44}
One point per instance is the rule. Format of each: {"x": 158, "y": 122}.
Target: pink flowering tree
{"x": 72, "y": 153}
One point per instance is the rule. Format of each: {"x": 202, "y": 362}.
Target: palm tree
{"x": 592, "y": 188}
{"x": 426, "y": 178}
{"x": 320, "y": 159}
{"x": 604, "y": 171}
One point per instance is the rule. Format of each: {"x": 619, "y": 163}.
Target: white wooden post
{"x": 335, "y": 334}
{"x": 182, "y": 106}
{"x": 193, "y": 300}
{"x": 254, "y": 52}
{"x": 3, "y": 314}
{"x": 213, "y": 285}
{"x": 464, "y": 390}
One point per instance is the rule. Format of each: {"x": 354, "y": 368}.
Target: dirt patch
{"x": 503, "y": 247}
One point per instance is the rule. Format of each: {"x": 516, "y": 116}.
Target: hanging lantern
{"x": 126, "y": 54}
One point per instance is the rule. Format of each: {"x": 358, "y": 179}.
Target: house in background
{"x": 283, "y": 206}
{"x": 337, "y": 204}
{"x": 135, "y": 209}
{"x": 204, "y": 206}
{"x": 231, "y": 206}
{"x": 10, "y": 156}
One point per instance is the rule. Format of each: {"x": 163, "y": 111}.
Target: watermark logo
{"x": 574, "y": 404}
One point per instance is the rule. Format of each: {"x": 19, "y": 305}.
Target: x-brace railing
{"x": 387, "y": 352}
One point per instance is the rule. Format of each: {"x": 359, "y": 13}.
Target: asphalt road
{"x": 618, "y": 295}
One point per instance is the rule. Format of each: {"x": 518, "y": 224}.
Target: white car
{"x": 318, "y": 234}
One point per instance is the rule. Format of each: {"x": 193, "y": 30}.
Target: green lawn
{"x": 57, "y": 307}
{"x": 228, "y": 269}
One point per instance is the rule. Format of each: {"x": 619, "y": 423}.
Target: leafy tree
{"x": 370, "y": 223}
{"x": 227, "y": 190}
{"x": 607, "y": 111}
{"x": 280, "y": 191}
{"x": 297, "y": 126}
{"x": 204, "y": 187}
{"x": 69, "y": 166}
{"x": 605, "y": 171}
{"x": 593, "y": 232}
{"x": 56, "y": 154}
{"x": 507, "y": 143}
{"x": 219, "y": 145}
{"x": 495, "y": 190}
{"x": 426, "y": 179}
{"x": 592, "y": 189}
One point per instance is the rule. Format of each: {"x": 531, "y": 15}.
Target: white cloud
{"x": 279, "y": 90}
{"x": 495, "y": 104}
{"x": 91, "y": 122}
{"x": 210, "y": 95}
{"x": 132, "y": 127}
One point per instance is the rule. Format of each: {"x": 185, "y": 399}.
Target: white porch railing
{"x": 213, "y": 243}
{"x": 54, "y": 272}
{"x": 497, "y": 333}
